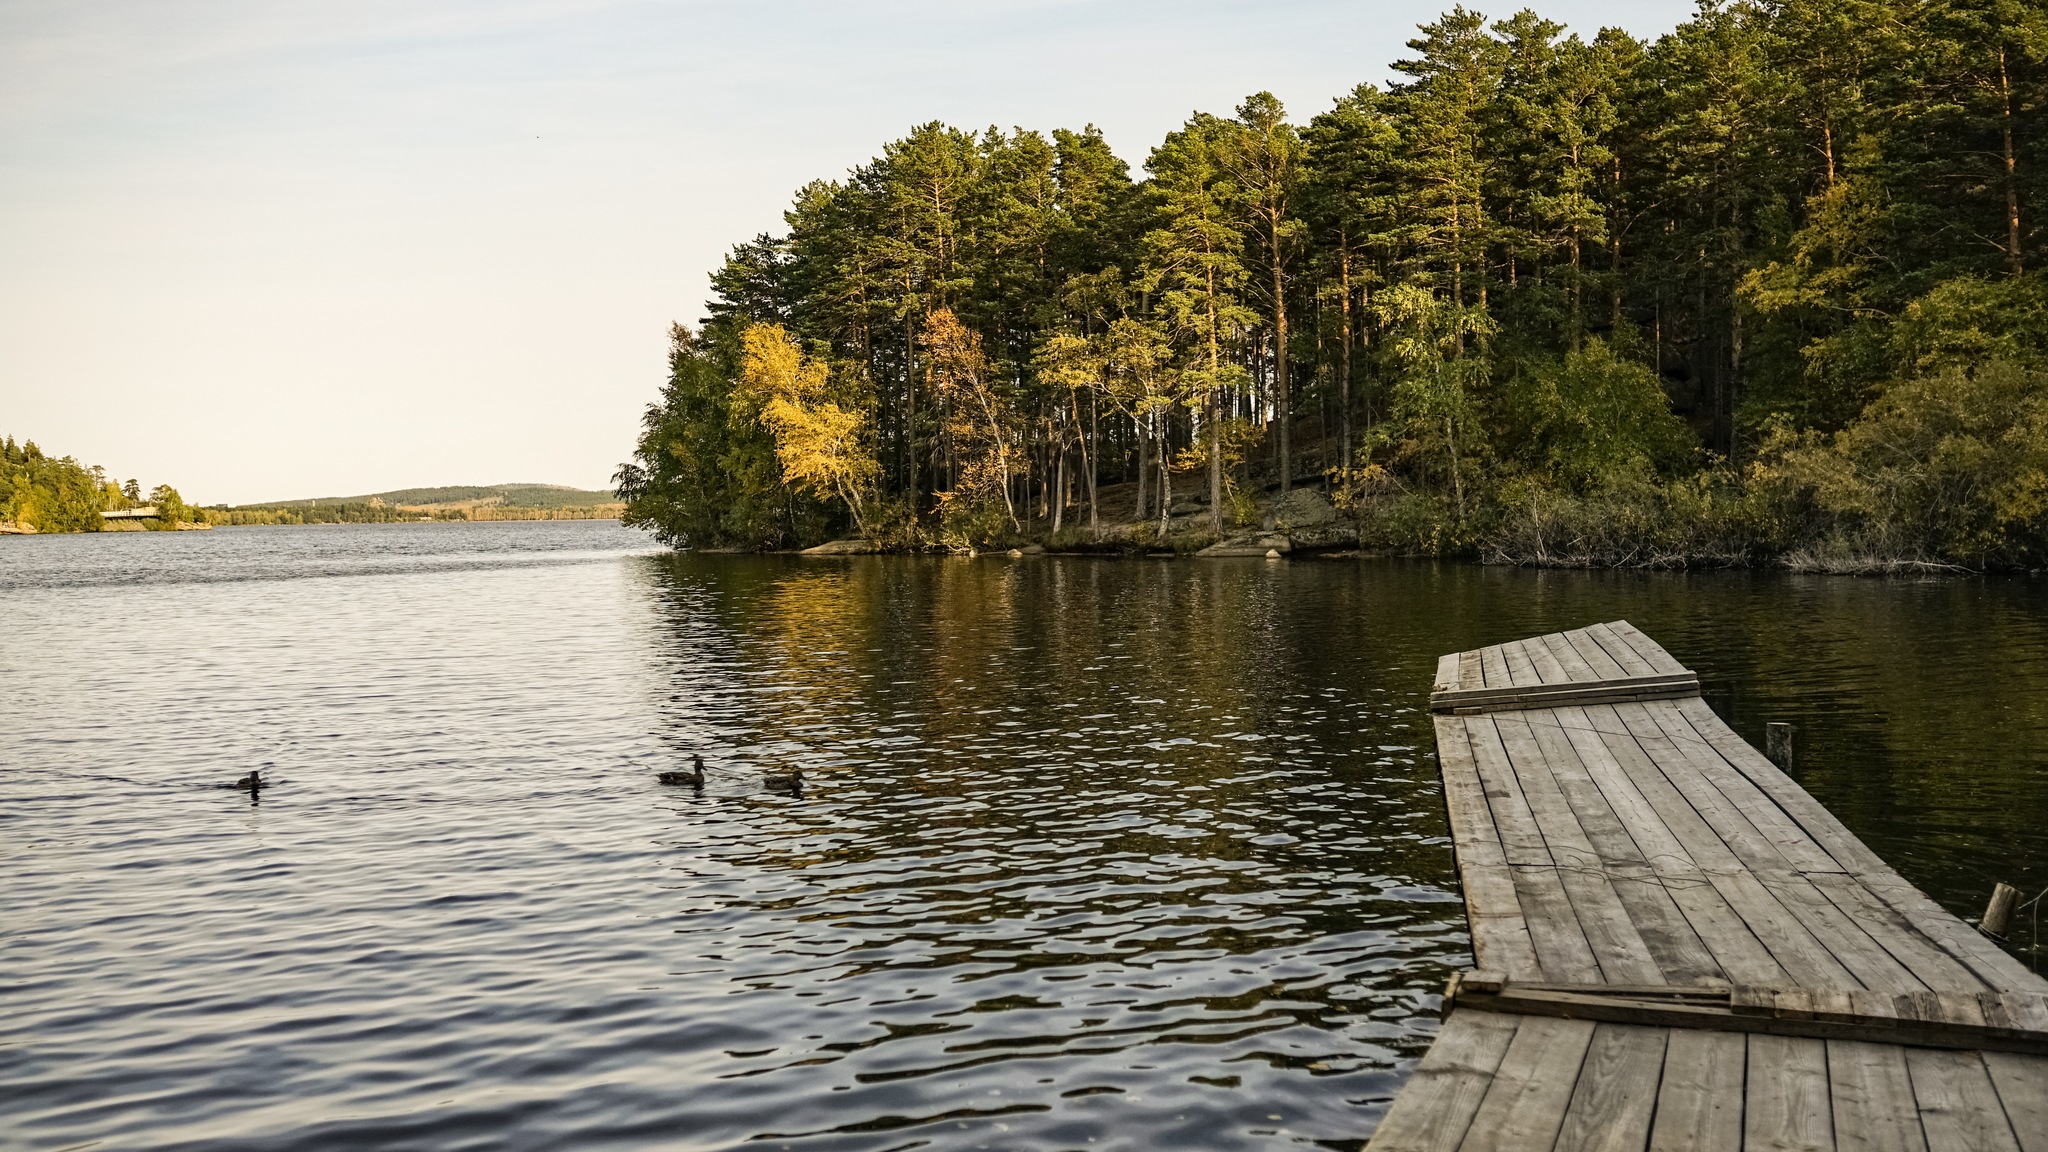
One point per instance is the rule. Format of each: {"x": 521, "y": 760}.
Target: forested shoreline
{"x": 462, "y": 502}
{"x": 44, "y": 493}
{"x": 1765, "y": 288}
{"x": 367, "y": 512}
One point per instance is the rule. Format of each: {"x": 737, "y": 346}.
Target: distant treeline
{"x": 453, "y": 502}
{"x": 367, "y": 513}
{"x": 363, "y": 513}
{"x": 1768, "y": 286}
{"x": 511, "y": 495}
{"x": 44, "y": 493}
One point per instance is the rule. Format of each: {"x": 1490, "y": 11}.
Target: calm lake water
{"x": 1095, "y": 853}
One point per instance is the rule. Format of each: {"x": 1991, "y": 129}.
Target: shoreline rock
{"x": 1260, "y": 545}
{"x": 852, "y": 546}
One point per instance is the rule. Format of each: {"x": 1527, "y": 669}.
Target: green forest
{"x": 448, "y": 503}
{"x": 43, "y": 493}
{"x": 1768, "y": 288}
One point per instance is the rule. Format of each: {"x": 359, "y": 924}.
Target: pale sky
{"x": 263, "y": 249}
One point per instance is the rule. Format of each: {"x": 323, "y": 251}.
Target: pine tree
{"x": 1264, "y": 156}
{"x": 1193, "y": 257}
{"x": 1353, "y": 203}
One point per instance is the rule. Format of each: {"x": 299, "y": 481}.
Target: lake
{"x": 1092, "y": 853}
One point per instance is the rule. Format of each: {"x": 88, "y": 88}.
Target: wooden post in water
{"x": 1778, "y": 743}
{"x": 1998, "y": 913}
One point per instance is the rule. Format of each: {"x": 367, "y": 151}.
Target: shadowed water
{"x": 1091, "y": 853}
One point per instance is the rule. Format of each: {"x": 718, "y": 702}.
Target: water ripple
{"x": 1090, "y": 854}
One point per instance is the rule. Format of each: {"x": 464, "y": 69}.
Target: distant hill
{"x": 461, "y": 496}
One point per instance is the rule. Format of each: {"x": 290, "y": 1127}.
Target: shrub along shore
{"x": 1767, "y": 289}
{"x": 1305, "y": 523}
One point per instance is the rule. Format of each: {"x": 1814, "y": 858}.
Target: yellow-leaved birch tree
{"x": 823, "y": 439}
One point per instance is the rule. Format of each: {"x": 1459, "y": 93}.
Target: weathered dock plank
{"x": 1699, "y": 1095}
{"x": 2022, "y": 1083}
{"x": 1680, "y": 950}
{"x": 1616, "y": 1094}
{"x": 1871, "y": 1094}
{"x": 1436, "y": 1107}
{"x": 1525, "y": 1102}
{"x": 1500, "y": 694}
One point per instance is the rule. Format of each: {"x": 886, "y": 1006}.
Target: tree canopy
{"x": 1543, "y": 284}
{"x": 44, "y": 493}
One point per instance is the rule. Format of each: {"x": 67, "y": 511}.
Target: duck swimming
{"x": 253, "y": 782}
{"x": 694, "y": 777}
{"x": 791, "y": 781}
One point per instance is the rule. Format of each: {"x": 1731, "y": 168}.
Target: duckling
{"x": 253, "y": 782}
{"x": 791, "y": 781}
{"x": 694, "y": 777}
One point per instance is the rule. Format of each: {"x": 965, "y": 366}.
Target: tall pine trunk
{"x": 1614, "y": 249}
{"x": 1059, "y": 490}
{"x": 1214, "y": 418}
{"x": 2012, "y": 186}
{"x": 1344, "y": 352}
{"x": 1139, "y": 507}
{"x": 1285, "y": 413}
{"x": 1092, "y": 459}
{"x": 1165, "y": 471}
{"x": 910, "y": 415}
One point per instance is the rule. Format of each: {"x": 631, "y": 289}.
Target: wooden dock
{"x": 1678, "y": 949}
